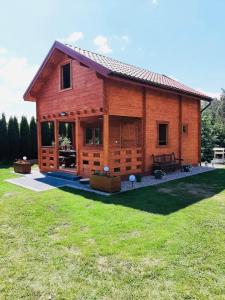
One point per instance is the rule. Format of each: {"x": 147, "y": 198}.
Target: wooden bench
{"x": 166, "y": 162}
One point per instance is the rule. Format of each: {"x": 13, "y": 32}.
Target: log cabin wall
{"x": 191, "y": 117}
{"x": 151, "y": 106}
{"x": 86, "y": 93}
{"x": 123, "y": 103}
{"x": 84, "y": 99}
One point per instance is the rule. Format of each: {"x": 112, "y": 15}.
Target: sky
{"x": 181, "y": 39}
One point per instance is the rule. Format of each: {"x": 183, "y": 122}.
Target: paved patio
{"x": 40, "y": 182}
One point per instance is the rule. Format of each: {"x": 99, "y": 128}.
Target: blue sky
{"x": 182, "y": 39}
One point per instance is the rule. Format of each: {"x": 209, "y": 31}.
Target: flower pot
{"x": 138, "y": 177}
{"x": 186, "y": 168}
{"x": 105, "y": 183}
{"x": 158, "y": 176}
{"x": 22, "y": 167}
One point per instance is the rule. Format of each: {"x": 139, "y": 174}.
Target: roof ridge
{"x": 108, "y": 57}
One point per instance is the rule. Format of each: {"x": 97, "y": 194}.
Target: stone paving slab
{"x": 39, "y": 182}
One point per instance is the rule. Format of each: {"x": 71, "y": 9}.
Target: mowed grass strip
{"x": 162, "y": 242}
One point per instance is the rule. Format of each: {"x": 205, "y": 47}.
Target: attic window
{"x": 65, "y": 75}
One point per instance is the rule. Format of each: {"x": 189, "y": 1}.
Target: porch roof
{"x": 110, "y": 67}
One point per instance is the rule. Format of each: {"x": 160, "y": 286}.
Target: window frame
{"x": 61, "y": 89}
{"x": 167, "y": 133}
{"x": 93, "y": 129}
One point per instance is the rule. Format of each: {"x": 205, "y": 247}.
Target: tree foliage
{"x": 4, "y": 155}
{"x": 213, "y": 127}
{"x": 33, "y": 138}
{"x": 17, "y": 140}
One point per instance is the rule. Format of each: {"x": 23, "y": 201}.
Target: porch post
{"x": 56, "y": 133}
{"x": 39, "y": 143}
{"x": 78, "y": 139}
{"x": 106, "y": 140}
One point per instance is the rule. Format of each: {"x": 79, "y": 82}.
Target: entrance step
{"x": 64, "y": 175}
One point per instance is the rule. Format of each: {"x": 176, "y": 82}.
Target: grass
{"x": 162, "y": 242}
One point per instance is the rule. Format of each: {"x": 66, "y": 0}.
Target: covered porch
{"x": 83, "y": 145}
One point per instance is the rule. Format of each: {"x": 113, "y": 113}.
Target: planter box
{"x": 105, "y": 184}
{"x": 23, "y": 168}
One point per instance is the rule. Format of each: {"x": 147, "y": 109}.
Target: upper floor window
{"x": 162, "y": 134}
{"x": 65, "y": 74}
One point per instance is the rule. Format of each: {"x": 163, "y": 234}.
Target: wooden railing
{"x": 90, "y": 160}
{"x": 48, "y": 159}
{"x": 125, "y": 161}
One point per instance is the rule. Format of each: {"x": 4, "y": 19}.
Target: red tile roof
{"x": 110, "y": 67}
{"x": 131, "y": 72}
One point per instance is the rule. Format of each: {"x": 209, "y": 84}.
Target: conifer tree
{"x": 16, "y": 135}
{"x": 33, "y": 138}
{"x": 11, "y": 137}
{"x": 24, "y": 137}
{"x": 4, "y": 155}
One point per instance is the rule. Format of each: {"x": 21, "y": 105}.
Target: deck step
{"x": 64, "y": 175}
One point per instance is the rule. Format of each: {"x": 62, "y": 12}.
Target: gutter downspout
{"x": 208, "y": 105}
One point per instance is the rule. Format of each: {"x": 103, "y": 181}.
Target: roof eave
{"x": 161, "y": 86}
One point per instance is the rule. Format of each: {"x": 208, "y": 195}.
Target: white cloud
{"x": 125, "y": 39}
{"x": 155, "y": 2}
{"x": 102, "y": 44}
{"x": 15, "y": 75}
{"x": 73, "y": 37}
{"x": 2, "y": 50}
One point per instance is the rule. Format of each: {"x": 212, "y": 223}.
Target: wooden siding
{"x": 123, "y": 99}
{"x": 86, "y": 92}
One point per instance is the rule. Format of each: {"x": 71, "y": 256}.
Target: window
{"x": 185, "y": 129}
{"x": 93, "y": 136}
{"x": 162, "y": 134}
{"x": 47, "y": 134}
{"x": 65, "y": 76}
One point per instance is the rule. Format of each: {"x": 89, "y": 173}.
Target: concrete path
{"x": 39, "y": 182}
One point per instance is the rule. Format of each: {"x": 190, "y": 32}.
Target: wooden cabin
{"x": 94, "y": 111}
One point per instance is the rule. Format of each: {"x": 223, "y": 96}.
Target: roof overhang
{"x": 29, "y": 96}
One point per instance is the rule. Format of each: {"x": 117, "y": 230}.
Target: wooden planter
{"x": 105, "y": 184}
{"x": 22, "y": 167}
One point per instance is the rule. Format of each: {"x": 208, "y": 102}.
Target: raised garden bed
{"x": 22, "y": 167}
{"x": 103, "y": 183}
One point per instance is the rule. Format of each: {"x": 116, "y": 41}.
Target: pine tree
{"x": 16, "y": 135}
{"x": 4, "y": 155}
{"x": 11, "y": 139}
{"x": 24, "y": 137}
{"x": 33, "y": 138}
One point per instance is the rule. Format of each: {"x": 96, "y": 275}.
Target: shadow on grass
{"x": 165, "y": 198}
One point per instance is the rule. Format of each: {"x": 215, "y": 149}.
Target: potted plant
{"x": 186, "y": 168}
{"x": 105, "y": 182}
{"x": 138, "y": 177}
{"x": 65, "y": 143}
{"x": 22, "y": 166}
{"x": 159, "y": 174}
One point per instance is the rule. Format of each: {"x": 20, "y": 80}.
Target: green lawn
{"x": 163, "y": 242}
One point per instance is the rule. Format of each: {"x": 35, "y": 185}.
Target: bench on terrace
{"x": 166, "y": 162}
